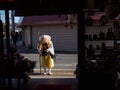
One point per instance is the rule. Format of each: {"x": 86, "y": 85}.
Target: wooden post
{"x": 1, "y": 46}
{"x": 40, "y": 63}
{"x": 90, "y": 7}
{"x": 8, "y": 41}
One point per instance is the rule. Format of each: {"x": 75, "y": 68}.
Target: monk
{"x": 46, "y": 50}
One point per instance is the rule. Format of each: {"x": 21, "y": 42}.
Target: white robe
{"x": 46, "y": 61}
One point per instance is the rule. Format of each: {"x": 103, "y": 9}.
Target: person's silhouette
{"x": 90, "y": 52}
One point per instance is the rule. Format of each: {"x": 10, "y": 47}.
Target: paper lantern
{"x": 103, "y": 20}
{"x": 89, "y": 21}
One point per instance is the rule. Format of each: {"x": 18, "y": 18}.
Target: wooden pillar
{"x": 1, "y": 54}
{"x": 81, "y": 40}
{"x": 7, "y": 40}
{"x": 1, "y": 45}
{"x": 81, "y": 45}
{"x": 90, "y": 7}
{"x": 7, "y": 32}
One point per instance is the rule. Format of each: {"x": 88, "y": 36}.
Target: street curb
{"x": 57, "y": 71}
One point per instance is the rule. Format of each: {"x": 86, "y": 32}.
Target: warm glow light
{"x": 1, "y": 0}
{"x": 10, "y": 1}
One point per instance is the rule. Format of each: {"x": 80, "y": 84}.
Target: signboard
{"x": 40, "y": 7}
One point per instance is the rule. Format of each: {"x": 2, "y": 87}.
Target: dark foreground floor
{"x": 50, "y": 80}
{"x": 38, "y": 80}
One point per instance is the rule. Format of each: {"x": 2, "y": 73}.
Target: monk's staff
{"x": 40, "y": 63}
{"x": 40, "y": 57}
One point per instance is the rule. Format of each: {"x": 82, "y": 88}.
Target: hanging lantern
{"x": 103, "y": 20}
{"x": 89, "y": 21}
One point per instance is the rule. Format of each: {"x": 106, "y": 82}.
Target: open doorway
{"x": 63, "y": 31}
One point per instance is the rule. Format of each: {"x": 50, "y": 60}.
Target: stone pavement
{"x": 63, "y": 72}
{"x": 65, "y": 63}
